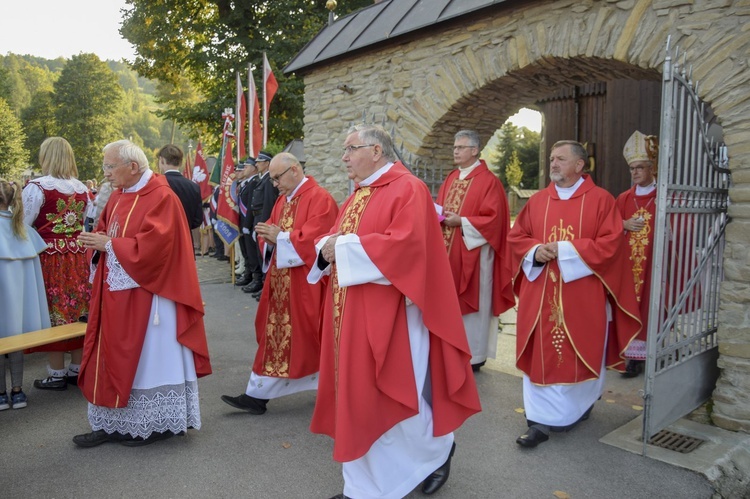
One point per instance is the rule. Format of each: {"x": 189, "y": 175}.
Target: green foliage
{"x": 39, "y": 121}
{"x": 200, "y": 44}
{"x": 525, "y": 144}
{"x": 88, "y": 110}
{"x": 13, "y": 156}
{"x": 513, "y": 173}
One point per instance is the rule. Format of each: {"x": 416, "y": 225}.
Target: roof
{"x": 385, "y": 20}
{"x": 296, "y": 147}
{"x": 523, "y": 193}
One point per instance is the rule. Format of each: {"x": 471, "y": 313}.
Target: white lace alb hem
{"x": 172, "y": 408}
{"x": 117, "y": 278}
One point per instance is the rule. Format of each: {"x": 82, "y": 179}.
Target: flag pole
{"x": 265, "y": 95}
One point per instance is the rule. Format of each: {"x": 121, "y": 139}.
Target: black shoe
{"x": 246, "y": 403}
{"x": 533, "y": 437}
{"x": 97, "y": 437}
{"x": 242, "y": 281}
{"x": 51, "y": 383}
{"x": 253, "y": 287}
{"x": 222, "y": 258}
{"x": 72, "y": 380}
{"x": 633, "y": 368}
{"x": 438, "y": 477}
{"x": 340, "y": 496}
{"x": 477, "y": 367}
{"x": 140, "y": 441}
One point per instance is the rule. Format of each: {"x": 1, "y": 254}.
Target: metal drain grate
{"x": 674, "y": 441}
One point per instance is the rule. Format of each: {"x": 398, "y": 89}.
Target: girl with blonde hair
{"x": 23, "y": 307}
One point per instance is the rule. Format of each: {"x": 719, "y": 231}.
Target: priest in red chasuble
{"x": 475, "y": 230}
{"x": 577, "y": 311}
{"x": 287, "y": 324}
{"x": 395, "y": 374}
{"x": 145, "y": 344}
{"x": 637, "y": 208}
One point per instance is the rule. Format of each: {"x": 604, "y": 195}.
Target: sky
{"x": 529, "y": 118}
{"x": 63, "y": 28}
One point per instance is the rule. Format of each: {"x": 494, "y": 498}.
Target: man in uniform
{"x": 247, "y": 175}
{"x": 263, "y": 199}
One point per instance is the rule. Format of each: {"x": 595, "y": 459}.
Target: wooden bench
{"x": 41, "y": 337}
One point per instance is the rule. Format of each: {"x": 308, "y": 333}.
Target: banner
{"x": 254, "y": 131}
{"x": 270, "y": 86}
{"x": 188, "y": 171}
{"x": 227, "y": 209}
{"x": 200, "y": 173}
{"x": 228, "y": 117}
{"x": 239, "y": 127}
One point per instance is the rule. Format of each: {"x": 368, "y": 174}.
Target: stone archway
{"x": 477, "y": 72}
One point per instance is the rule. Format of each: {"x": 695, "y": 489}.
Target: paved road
{"x": 275, "y": 455}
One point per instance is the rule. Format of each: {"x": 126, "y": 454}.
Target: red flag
{"x": 270, "y": 86}
{"x": 188, "y": 171}
{"x": 239, "y": 130}
{"x": 200, "y": 173}
{"x": 255, "y": 133}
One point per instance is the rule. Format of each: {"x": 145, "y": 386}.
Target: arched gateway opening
{"x": 430, "y": 68}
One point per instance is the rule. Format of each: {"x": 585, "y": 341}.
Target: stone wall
{"x": 476, "y": 75}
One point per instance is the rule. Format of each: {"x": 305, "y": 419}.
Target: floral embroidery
{"x": 68, "y": 218}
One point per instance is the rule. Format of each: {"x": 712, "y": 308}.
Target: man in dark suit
{"x": 262, "y": 201}
{"x": 170, "y": 162}
{"x": 247, "y": 175}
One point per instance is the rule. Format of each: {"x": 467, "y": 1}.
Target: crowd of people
{"x": 386, "y": 305}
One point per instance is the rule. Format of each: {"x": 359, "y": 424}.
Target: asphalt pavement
{"x": 236, "y": 454}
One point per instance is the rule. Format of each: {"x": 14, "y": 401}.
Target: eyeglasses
{"x": 275, "y": 179}
{"x": 107, "y": 168}
{"x": 349, "y": 149}
{"x": 634, "y": 169}
{"x": 463, "y": 147}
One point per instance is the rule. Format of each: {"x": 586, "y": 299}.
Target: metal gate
{"x": 691, "y": 216}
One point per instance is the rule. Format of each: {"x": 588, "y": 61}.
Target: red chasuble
{"x": 481, "y": 199}
{"x": 287, "y": 325}
{"x": 152, "y": 242}
{"x": 560, "y": 326}
{"x": 640, "y": 247}
{"x": 366, "y": 374}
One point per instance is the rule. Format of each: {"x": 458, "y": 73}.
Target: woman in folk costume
{"x": 637, "y": 206}
{"x": 54, "y": 205}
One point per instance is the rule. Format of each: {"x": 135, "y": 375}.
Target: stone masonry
{"x": 476, "y": 74}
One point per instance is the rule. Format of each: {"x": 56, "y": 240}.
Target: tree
{"x": 525, "y": 144}
{"x": 513, "y": 173}
{"x": 88, "y": 110}
{"x": 13, "y": 157}
{"x": 39, "y": 122}
{"x": 203, "y": 43}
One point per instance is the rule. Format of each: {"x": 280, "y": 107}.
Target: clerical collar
{"x": 464, "y": 172}
{"x": 375, "y": 176}
{"x": 642, "y": 191}
{"x": 566, "y": 193}
{"x": 290, "y": 196}
{"x": 141, "y": 183}
{"x": 173, "y": 170}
